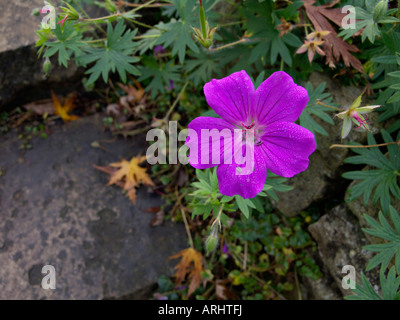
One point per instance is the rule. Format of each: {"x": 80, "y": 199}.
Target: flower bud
{"x": 70, "y": 12}
{"x": 204, "y": 35}
{"x": 35, "y": 12}
{"x": 47, "y": 66}
{"x": 380, "y": 10}
{"x": 211, "y": 243}
{"x": 110, "y": 6}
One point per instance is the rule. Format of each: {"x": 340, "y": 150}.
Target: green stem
{"x": 146, "y": 36}
{"x": 228, "y": 45}
{"x": 176, "y": 101}
{"x": 88, "y": 17}
{"x": 203, "y": 21}
{"x": 328, "y": 106}
{"x": 230, "y": 24}
{"x": 101, "y": 18}
{"x": 187, "y": 228}
{"x": 362, "y": 147}
{"x": 143, "y": 24}
{"x": 143, "y": 6}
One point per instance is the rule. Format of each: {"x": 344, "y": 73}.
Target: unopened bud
{"x": 47, "y": 66}
{"x": 70, "y": 12}
{"x": 211, "y": 243}
{"x": 110, "y": 6}
{"x": 35, "y": 12}
{"x": 204, "y": 35}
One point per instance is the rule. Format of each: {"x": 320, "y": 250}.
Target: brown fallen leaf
{"x": 63, "y": 111}
{"x": 158, "y": 219}
{"x": 128, "y": 175}
{"x": 222, "y": 292}
{"x": 191, "y": 265}
{"x": 41, "y": 107}
{"x": 159, "y": 215}
{"x": 134, "y": 93}
{"x": 334, "y": 47}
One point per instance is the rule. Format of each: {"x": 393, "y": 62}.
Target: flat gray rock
{"x": 55, "y": 209}
{"x": 340, "y": 243}
{"x": 22, "y": 78}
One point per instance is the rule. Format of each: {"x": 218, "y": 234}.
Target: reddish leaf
{"x": 334, "y": 47}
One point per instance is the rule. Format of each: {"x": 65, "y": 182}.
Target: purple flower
{"x": 269, "y": 113}
{"x": 170, "y": 86}
{"x": 158, "y": 51}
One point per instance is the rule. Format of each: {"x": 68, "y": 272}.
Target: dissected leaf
{"x": 68, "y": 42}
{"x": 334, "y": 47}
{"x": 161, "y": 76}
{"x": 191, "y": 265}
{"x": 116, "y": 55}
{"x": 315, "y": 109}
{"x": 383, "y": 178}
{"x": 391, "y": 248}
{"x": 64, "y": 110}
{"x": 128, "y": 175}
{"x": 364, "y": 292}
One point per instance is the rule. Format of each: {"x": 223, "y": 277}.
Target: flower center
{"x": 257, "y": 132}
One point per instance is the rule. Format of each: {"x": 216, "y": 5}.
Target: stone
{"x": 324, "y": 288}
{"x": 22, "y": 78}
{"x": 340, "y": 243}
{"x": 55, "y": 209}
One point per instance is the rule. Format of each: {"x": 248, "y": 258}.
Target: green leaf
{"x": 312, "y": 108}
{"x": 391, "y": 248}
{"x": 383, "y": 178}
{"x": 68, "y": 43}
{"x": 390, "y": 285}
{"x": 364, "y": 292}
{"x": 275, "y": 183}
{"x": 178, "y": 35}
{"x": 243, "y": 206}
{"x": 201, "y": 67}
{"x": 114, "y": 56}
{"x": 160, "y": 75}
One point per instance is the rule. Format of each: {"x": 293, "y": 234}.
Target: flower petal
{"x": 202, "y": 148}
{"x": 247, "y": 186}
{"x": 231, "y": 97}
{"x": 279, "y": 99}
{"x": 286, "y": 147}
{"x": 346, "y": 127}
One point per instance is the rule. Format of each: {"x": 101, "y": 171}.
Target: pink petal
{"x": 311, "y": 54}
{"x": 302, "y": 49}
{"x": 279, "y": 99}
{"x": 286, "y": 147}
{"x": 247, "y": 186}
{"x": 231, "y": 97}
{"x": 208, "y": 147}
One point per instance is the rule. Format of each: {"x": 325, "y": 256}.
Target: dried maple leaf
{"x": 41, "y": 107}
{"x": 128, "y": 175}
{"x": 186, "y": 267}
{"x": 63, "y": 111}
{"x": 334, "y": 47}
{"x": 135, "y": 93}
